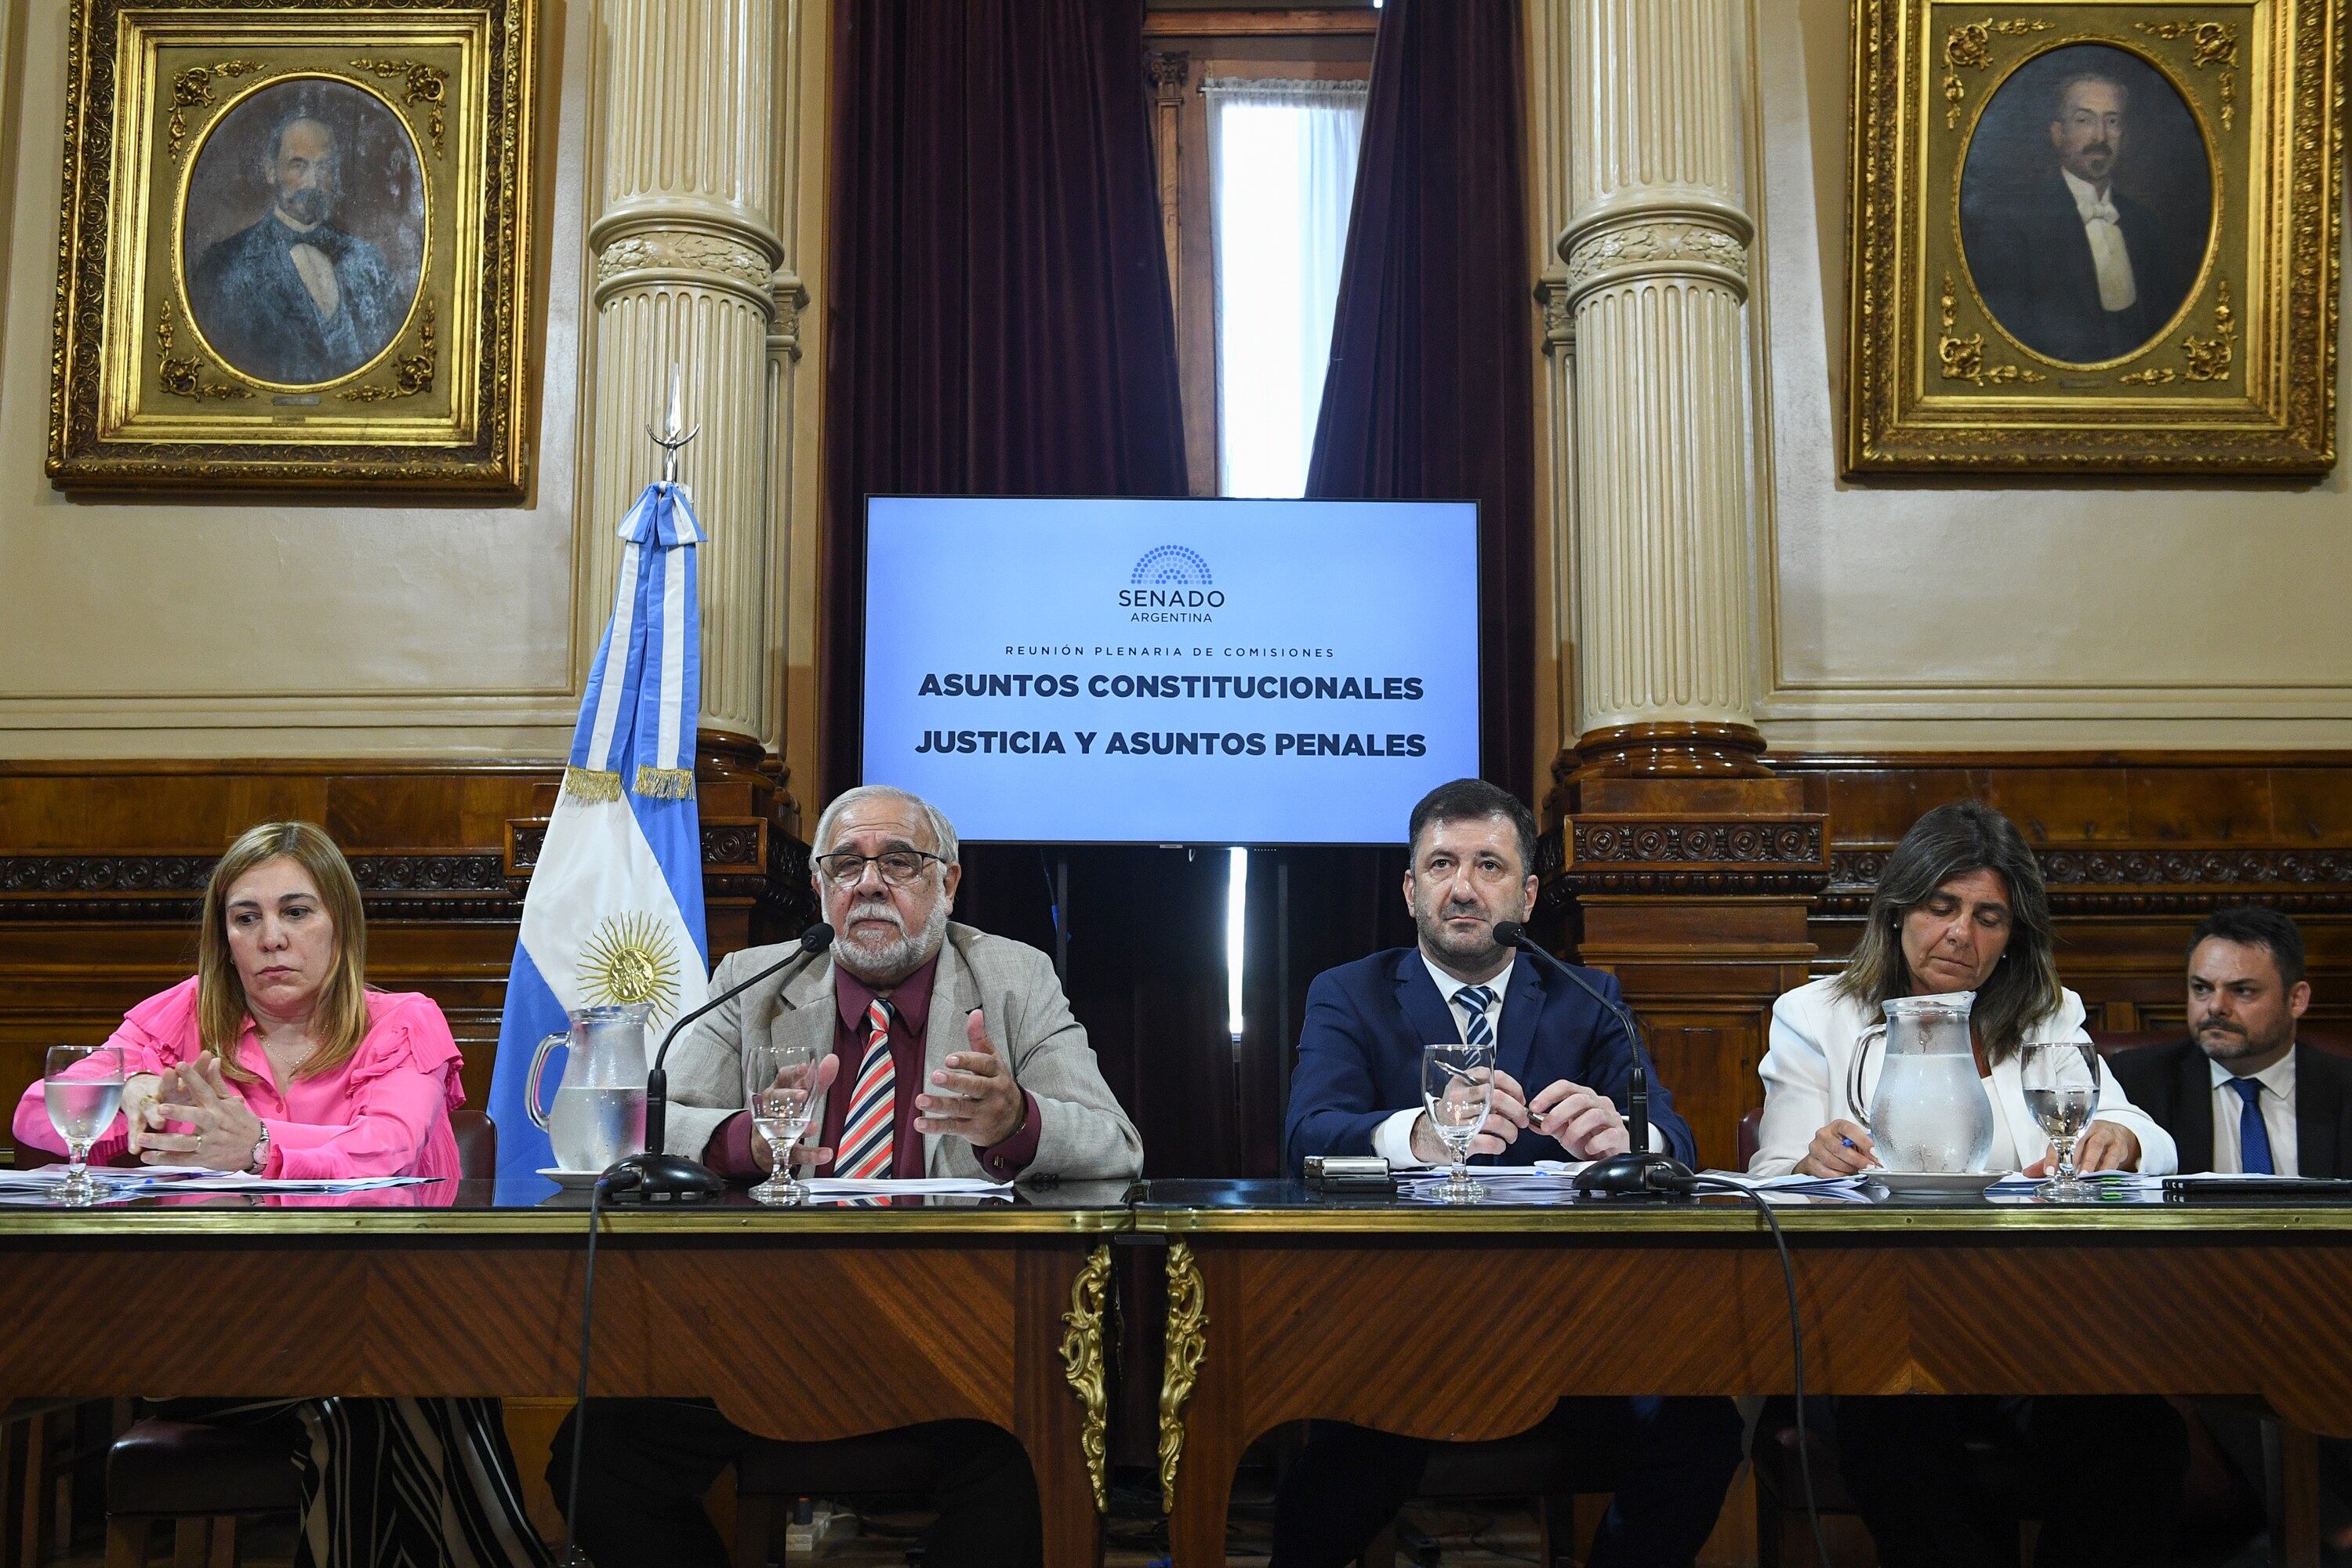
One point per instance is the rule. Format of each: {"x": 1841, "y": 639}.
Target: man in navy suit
{"x": 1357, "y": 1090}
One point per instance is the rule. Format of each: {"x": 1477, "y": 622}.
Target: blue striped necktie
{"x": 1473, "y": 1001}
{"x": 2254, "y": 1133}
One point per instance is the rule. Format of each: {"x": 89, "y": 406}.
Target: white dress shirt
{"x": 2277, "y": 1102}
{"x": 2118, "y": 292}
{"x": 1392, "y": 1139}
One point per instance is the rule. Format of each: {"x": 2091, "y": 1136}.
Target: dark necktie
{"x": 1473, "y": 1001}
{"x": 2253, "y": 1135}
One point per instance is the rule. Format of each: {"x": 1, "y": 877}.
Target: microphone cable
{"x": 1697, "y": 1185}
{"x": 572, "y": 1557}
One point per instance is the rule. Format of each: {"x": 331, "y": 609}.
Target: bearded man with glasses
{"x": 953, "y": 1053}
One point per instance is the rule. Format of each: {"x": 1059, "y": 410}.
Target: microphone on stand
{"x": 654, "y": 1176}
{"x": 1640, "y": 1172}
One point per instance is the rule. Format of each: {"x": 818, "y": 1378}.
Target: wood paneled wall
{"x": 2136, "y": 847}
{"x": 102, "y": 866}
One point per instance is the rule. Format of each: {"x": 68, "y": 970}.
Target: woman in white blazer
{"x": 1960, "y": 907}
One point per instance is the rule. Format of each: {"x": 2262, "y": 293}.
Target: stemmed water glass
{"x": 780, "y": 1091}
{"x": 1457, "y": 1090}
{"x": 2060, "y": 1079}
{"x": 83, "y": 1087}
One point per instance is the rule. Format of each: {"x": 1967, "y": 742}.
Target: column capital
{"x": 1656, "y": 231}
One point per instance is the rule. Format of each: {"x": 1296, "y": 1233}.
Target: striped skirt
{"x": 393, "y": 1483}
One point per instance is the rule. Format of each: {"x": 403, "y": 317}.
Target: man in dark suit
{"x": 2068, "y": 263}
{"x": 293, "y": 298}
{"x": 2241, "y": 1095}
{"x": 1357, "y": 1090}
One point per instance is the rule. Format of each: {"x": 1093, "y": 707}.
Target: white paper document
{"x": 148, "y": 1180}
{"x": 913, "y": 1186}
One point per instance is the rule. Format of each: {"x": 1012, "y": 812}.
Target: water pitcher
{"x": 599, "y": 1116}
{"x": 1930, "y": 1112}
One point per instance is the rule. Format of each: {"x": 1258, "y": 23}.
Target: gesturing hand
{"x": 139, "y": 1112}
{"x": 1586, "y": 1123}
{"x": 226, "y": 1130}
{"x": 1506, "y": 1116}
{"x": 1841, "y": 1149}
{"x": 973, "y": 1096}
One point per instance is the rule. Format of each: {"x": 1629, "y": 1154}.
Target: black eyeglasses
{"x": 898, "y": 867}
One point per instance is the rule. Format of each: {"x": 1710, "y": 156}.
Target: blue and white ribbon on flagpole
{"x": 615, "y": 909}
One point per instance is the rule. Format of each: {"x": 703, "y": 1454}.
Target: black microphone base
{"x": 661, "y": 1179}
{"x": 1643, "y": 1176}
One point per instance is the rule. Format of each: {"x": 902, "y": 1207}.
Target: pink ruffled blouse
{"x": 384, "y": 1112}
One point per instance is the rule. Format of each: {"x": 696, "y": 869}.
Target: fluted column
{"x": 687, "y": 261}
{"x": 1655, "y": 254}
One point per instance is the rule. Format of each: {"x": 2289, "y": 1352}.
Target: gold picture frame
{"x": 295, "y": 245}
{"x": 2005, "y": 153}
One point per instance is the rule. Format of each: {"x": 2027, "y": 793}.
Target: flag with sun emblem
{"x": 615, "y": 909}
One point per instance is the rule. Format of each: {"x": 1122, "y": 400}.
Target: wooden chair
{"x": 200, "y": 1479}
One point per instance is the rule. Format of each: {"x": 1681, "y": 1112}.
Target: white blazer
{"x": 1812, "y": 1053}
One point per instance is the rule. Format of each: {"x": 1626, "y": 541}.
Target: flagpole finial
{"x": 673, "y": 436}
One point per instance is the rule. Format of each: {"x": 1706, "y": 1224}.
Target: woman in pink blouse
{"x": 275, "y": 1057}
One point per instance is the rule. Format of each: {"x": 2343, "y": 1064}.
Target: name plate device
{"x": 1348, "y": 1174}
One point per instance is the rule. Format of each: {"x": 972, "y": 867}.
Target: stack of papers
{"x": 1796, "y": 1188}
{"x": 117, "y": 1185}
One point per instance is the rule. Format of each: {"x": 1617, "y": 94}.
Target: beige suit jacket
{"x": 1082, "y": 1136}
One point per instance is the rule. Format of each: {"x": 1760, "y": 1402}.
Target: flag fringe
{"x": 592, "y": 783}
{"x": 665, "y": 784}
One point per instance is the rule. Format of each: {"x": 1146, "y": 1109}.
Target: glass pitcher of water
{"x": 599, "y": 1115}
{"x": 1930, "y": 1112}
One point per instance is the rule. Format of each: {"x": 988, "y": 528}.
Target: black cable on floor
{"x": 572, "y": 1556}
{"x": 1796, "y": 1347}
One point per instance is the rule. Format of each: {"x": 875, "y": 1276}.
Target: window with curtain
{"x": 1282, "y": 163}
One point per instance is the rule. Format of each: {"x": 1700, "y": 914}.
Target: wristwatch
{"x": 260, "y": 1161}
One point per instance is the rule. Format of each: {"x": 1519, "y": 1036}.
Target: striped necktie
{"x": 1473, "y": 1001}
{"x": 866, "y": 1133}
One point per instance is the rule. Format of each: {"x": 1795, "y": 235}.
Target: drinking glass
{"x": 2061, "y": 1090}
{"x": 780, "y": 1091}
{"x": 1457, "y": 1088}
{"x": 83, "y": 1087}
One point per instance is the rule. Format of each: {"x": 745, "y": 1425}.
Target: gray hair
{"x": 2074, "y": 78}
{"x": 943, "y": 834}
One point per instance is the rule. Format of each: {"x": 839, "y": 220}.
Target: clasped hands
{"x": 973, "y": 1095}
{"x": 223, "y": 1130}
{"x": 1583, "y": 1121}
{"x": 1843, "y": 1149}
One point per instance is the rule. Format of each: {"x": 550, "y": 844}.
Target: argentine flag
{"x": 615, "y": 909}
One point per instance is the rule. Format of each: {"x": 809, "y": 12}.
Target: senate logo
{"x": 1171, "y": 582}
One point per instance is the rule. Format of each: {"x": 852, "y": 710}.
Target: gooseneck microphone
{"x": 655, "y": 1176}
{"x": 1641, "y": 1172}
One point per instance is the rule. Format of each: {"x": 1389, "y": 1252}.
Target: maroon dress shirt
{"x": 731, "y": 1151}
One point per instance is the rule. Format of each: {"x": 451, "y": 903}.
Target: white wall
{"x": 244, "y": 628}
{"x": 1999, "y": 612}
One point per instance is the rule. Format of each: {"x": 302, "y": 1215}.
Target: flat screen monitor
{"x": 1196, "y": 672}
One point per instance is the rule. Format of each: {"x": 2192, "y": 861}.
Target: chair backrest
{"x": 477, "y": 1144}
{"x": 1752, "y": 1136}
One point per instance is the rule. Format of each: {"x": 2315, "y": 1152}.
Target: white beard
{"x": 896, "y": 959}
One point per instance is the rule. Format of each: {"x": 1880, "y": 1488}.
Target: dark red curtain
{"x": 1431, "y": 390}
{"x": 997, "y": 322}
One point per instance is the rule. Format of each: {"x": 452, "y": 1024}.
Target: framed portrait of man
{"x": 2097, "y": 236}
{"x": 295, "y": 245}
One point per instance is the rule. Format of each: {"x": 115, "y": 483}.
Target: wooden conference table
{"x": 1282, "y": 1305}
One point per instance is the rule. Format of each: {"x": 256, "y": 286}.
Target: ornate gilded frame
{"x": 2242, "y": 377}
{"x": 140, "y": 398}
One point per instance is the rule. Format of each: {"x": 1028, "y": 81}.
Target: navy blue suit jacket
{"x": 1360, "y": 1053}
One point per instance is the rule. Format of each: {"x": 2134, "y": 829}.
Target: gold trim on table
{"x": 1188, "y": 1344}
{"x": 1084, "y": 1369}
